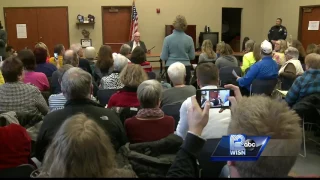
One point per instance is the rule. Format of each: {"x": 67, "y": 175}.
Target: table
{"x": 238, "y": 55}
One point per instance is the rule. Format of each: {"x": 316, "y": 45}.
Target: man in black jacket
{"x": 277, "y": 32}
{"x": 76, "y": 86}
{"x": 136, "y": 42}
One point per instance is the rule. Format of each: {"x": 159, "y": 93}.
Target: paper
{"x": 284, "y": 93}
{"x": 86, "y": 42}
{"x": 313, "y": 25}
{"x": 21, "y": 31}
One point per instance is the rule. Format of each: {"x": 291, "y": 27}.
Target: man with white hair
{"x": 83, "y": 62}
{"x": 292, "y": 67}
{"x": 180, "y": 92}
{"x": 136, "y": 42}
{"x": 125, "y": 50}
{"x": 76, "y": 86}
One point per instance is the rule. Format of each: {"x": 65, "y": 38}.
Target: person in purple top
{"x": 42, "y": 65}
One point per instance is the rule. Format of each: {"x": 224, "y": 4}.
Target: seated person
{"x": 71, "y": 58}
{"x": 104, "y": 64}
{"x": 207, "y": 54}
{"x": 208, "y": 78}
{"x": 76, "y": 86}
{"x": 226, "y": 59}
{"x": 83, "y": 62}
{"x": 215, "y": 99}
{"x": 15, "y": 146}
{"x": 265, "y": 69}
{"x": 44, "y": 46}
{"x": 150, "y": 118}
{"x": 10, "y": 51}
{"x": 125, "y": 50}
{"x": 308, "y": 83}
{"x": 113, "y": 80}
{"x": 138, "y": 56}
{"x": 302, "y": 52}
{"x": 91, "y": 55}
{"x": 266, "y": 117}
{"x": 292, "y": 67}
{"x": 60, "y": 50}
{"x": 17, "y": 96}
{"x": 42, "y": 66}
{"x": 179, "y": 92}
{"x": 82, "y": 143}
{"x": 137, "y": 43}
{"x": 37, "y": 79}
{"x": 131, "y": 77}
{"x": 252, "y": 56}
{"x": 279, "y": 48}
{"x": 312, "y": 48}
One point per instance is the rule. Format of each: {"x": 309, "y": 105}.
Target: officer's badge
{"x": 280, "y": 30}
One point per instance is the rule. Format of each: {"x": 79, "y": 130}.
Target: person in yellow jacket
{"x": 59, "y": 50}
{"x": 1, "y": 79}
{"x": 252, "y": 55}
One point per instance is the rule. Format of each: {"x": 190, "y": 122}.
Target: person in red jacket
{"x": 150, "y": 123}
{"x": 15, "y": 146}
{"x": 138, "y": 56}
{"x": 131, "y": 77}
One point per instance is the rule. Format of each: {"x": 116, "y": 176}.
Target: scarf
{"x": 150, "y": 113}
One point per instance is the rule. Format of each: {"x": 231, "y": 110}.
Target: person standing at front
{"x": 178, "y": 47}
{"x": 277, "y": 32}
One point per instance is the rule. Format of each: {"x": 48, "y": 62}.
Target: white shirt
{"x": 135, "y": 45}
{"x": 297, "y": 65}
{"x": 217, "y": 125}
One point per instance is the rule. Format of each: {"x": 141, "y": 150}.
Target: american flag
{"x": 134, "y": 21}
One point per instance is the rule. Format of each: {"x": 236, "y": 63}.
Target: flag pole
{"x": 131, "y": 29}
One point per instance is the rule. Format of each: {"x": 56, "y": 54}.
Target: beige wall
{"x": 288, "y": 10}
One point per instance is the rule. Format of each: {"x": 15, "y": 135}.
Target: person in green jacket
{"x": 252, "y": 55}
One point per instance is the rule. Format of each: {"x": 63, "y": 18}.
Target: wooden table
{"x": 238, "y": 55}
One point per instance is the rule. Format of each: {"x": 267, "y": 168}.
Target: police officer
{"x": 277, "y": 32}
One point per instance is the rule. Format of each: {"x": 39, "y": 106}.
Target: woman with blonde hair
{"x": 81, "y": 149}
{"x": 313, "y": 48}
{"x": 207, "y": 55}
{"x": 44, "y": 46}
{"x": 131, "y": 77}
{"x": 252, "y": 56}
{"x": 226, "y": 59}
{"x": 279, "y": 48}
{"x": 178, "y": 47}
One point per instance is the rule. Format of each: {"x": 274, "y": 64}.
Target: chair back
{"x": 209, "y": 169}
{"x": 125, "y": 112}
{"x": 103, "y": 95}
{"x": 46, "y": 95}
{"x": 152, "y": 75}
{"x": 286, "y": 83}
{"x": 263, "y": 86}
{"x": 174, "y": 111}
{"x": 226, "y": 76}
{"x": 22, "y": 171}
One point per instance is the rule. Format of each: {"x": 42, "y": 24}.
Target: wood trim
{"x": 300, "y": 18}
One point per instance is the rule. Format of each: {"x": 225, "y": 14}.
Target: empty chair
{"x": 263, "y": 86}
{"x": 22, "y": 171}
{"x": 286, "y": 83}
{"x": 226, "y": 76}
{"x": 174, "y": 111}
{"x": 104, "y": 95}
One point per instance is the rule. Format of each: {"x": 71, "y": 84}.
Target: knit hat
{"x": 266, "y": 47}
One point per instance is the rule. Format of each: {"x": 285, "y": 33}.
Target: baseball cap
{"x": 266, "y": 47}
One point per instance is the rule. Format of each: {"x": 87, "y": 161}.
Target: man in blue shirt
{"x": 308, "y": 83}
{"x": 264, "y": 69}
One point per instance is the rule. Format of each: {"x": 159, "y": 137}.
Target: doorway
{"x": 307, "y": 14}
{"x": 40, "y": 25}
{"x": 231, "y": 27}
{"x": 116, "y": 26}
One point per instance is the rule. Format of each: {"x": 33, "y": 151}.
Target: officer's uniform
{"x": 277, "y": 32}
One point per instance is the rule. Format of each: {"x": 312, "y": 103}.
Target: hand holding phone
{"x": 55, "y": 56}
{"x": 218, "y": 98}
{"x": 235, "y": 74}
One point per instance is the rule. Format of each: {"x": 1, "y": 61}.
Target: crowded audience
{"x": 312, "y": 48}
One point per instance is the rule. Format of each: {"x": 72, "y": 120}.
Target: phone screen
{"x": 218, "y": 98}
{"x": 55, "y": 56}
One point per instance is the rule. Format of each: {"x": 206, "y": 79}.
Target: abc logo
{"x": 249, "y": 144}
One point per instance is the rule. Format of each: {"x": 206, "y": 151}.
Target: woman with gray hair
{"x": 113, "y": 80}
{"x": 155, "y": 124}
{"x": 179, "y": 47}
{"x": 292, "y": 67}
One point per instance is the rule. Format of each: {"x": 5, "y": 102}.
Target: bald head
{"x": 71, "y": 57}
{"x": 137, "y": 37}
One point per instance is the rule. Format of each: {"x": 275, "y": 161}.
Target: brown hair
{"x": 256, "y": 51}
{"x": 44, "y": 46}
{"x": 207, "y": 74}
{"x": 28, "y": 59}
{"x": 133, "y": 75}
{"x": 138, "y": 56}
{"x": 267, "y": 117}
{"x": 297, "y": 44}
{"x": 105, "y": 59}
{"x": 224, "y": 49}
{"x": 80, "y": 148}
{"x": 11, "y": 69}
{"x": 207, "y": 48}
{"x": 312, "y": 48}
{"x": 313, "y": 61}
{"x": 180, "y": 23}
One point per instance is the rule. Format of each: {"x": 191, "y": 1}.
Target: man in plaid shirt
{"x": 308, "y": 83}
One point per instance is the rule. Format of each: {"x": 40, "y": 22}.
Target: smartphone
{"x": 218, "y": 98}
{"x": 55, "y": 56}
{"x": 234, "y": 73}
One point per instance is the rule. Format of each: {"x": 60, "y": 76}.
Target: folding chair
{"x": 226, "y": 76}
{"x": 286, "y": 83}
{"x": 103, "y": 95}
{"x": 263, "y": 86}
{"x": 173, "y": 110}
